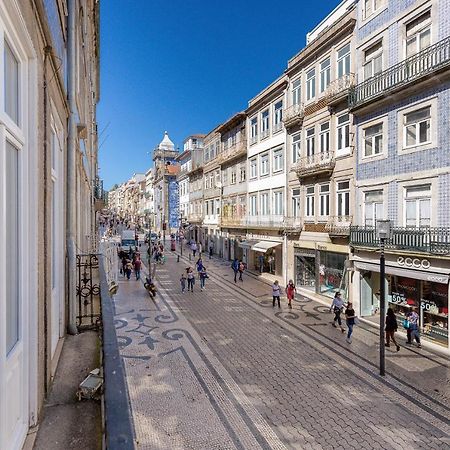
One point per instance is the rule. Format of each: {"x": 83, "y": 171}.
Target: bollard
{"x": 189, "y": 256}
{"x": 178, "y": 258}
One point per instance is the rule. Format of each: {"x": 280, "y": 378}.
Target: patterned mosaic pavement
{"x": 221, "y": 369}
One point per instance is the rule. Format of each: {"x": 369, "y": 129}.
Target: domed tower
{"x": 165, "y": 184}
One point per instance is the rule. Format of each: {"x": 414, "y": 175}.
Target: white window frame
{"x": 264, "y": 159}
{"x": 376, "y": 7}
{"x": 310, "y": 140}
{"x": 296, "y": 212}
{"x": 310, "y": 84}
{"x": 253, "y": 205}
{"x": 341, "y": 194}
{"x": 418, "y": 199}
{"x": 416, "y": 35}
{"x": 278, "y": 116}
{"x": 371, "y": 60}
{"x": 324, "y": 137}
{"x": 296, "y": 146}
{"x": 324, "y": 200}
{"x": 253, "y": 130}
{"x": 278, "y": 160}
{"x": 345, "y": 129}
{"x": 278, "y": 203}
{"x": 265, "y": 123}
{"x": 310, "y": 199}
{"x": 264, "y": 203}
{"x": 341, "y": 61}
{"x": 325, "y": 74}
{"x": 253, "y": 163}
{"x": 417, "y": 127}
{"x": 374, "y": 206}
{"x": 296, "y": 89}
{"x": 374, "y": 139}
{"x": 402, "y": 149}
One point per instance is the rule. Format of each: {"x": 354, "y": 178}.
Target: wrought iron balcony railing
{"x": 339, "y": 225}
{"x": 420, "y": 239}
{"x": 427, "y": 61}
{"x": 318, "y": 163}
{"x": 293, "y": 115}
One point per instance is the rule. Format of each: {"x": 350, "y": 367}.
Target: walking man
{"x": 413, "y": 330}
{"x": 235, "y": 267}
{"x": 203, "y": 276}
{"x": 337, "y": 306}
{"x": 137, "y": 267}
{"x": 261, "y": 262}
{"x": 190, "y": 280}
{"x": 350, "y": 319}
{"x": 194, "y": 248}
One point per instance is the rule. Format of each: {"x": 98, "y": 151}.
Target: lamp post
{"x": 384, "y": 232}
{"x": 181, "y": 234}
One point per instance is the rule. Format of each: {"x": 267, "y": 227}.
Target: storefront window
{"x": 431, "y": 301}
{"x": 332, "y": 273}
{"x": 305, "y": 270}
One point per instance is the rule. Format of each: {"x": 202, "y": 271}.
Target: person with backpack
{"x": 235, "y": 267}
{"x": 290, "y": 292}
{"x": 241, "y": 270}
{"x": 276, "y": 292}
{"x": 391, "y": 328}
{"x": 413, "y": 327}
{"x": 337, "y": 306}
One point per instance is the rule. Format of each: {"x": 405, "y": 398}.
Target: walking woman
{"x": 350, "y": 319}
{"x": 276, "y": 292}
{"x": 203, "y": 276}
{"x": 190, "y": 280}
{"x": 391, "y": 328}
{"x": 337, "y": 307}
{"x": 290, "y": 292}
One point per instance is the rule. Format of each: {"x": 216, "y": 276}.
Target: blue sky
{"x": 185, "y": 66}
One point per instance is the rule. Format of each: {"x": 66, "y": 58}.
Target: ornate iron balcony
{"x": 427, "y": 61}
{"x": 419, "y": 239}
{"x": 319, "y": 163}
{"x": 293, "y": 115}
{"x": 339, "y": 225}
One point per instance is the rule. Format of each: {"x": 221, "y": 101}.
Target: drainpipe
{"x": 71, "y": 169}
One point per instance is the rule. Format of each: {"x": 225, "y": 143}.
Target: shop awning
{"x": 247, "y": 244}
{"x": 407, "y": 273}
{"x": 263, "y": 246}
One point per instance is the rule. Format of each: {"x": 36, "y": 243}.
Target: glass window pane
{"x": 12, "y": 233}
{"x": 368, "y": 148}
{"x": 424, "y": 131}
{"x": 411, "y": 135}
{"x": 416, "y": 116}
{"x": 411, "y": 213}
{"x": 11, "y": 74}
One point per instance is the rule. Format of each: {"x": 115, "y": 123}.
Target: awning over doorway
{"x": 263, "y": 246}
{"x": 247, "y": 244}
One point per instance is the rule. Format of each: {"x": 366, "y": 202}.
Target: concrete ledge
{"x": 119, "y": 433}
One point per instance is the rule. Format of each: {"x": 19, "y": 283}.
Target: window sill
{"x": 277, "y": 131}
{"x": 371, "y": 158}
{"x": 416, "y": 148}
{"x": 343, "y": 152}
{"x": 278, "y": 171}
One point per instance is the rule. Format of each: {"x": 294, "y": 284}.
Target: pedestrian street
{"x": 223, "y": 369}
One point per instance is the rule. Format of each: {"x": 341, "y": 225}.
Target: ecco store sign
{"x": 416, "y": 263}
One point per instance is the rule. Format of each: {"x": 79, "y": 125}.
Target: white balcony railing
{"x": 321, "y": 162}
{"x": 340, "y": 86}
{"x": 293, "y": 115}
{"x": 339, "y": 225}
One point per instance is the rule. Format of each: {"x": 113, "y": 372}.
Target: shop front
{"x": 321, "y": 269}
{"x": 412, "y": 283}
{"x": 266, "y": 253}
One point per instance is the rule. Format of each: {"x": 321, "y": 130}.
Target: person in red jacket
{"x": 290, "y": 292}
{"x": 137, "y": 267}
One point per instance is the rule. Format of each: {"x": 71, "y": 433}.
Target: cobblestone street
{"x": 221, "y": 369}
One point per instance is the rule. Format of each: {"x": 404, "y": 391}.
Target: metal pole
{"x": 382, "y": 308}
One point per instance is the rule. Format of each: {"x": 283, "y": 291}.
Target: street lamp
{"x": 384, "y": 231}
{"x": 181, "y": 234}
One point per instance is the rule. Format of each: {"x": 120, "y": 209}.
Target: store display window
{"x": 305, "y": 270}
{"x": 431, "y": 301}
{"x": 332, "y": 273}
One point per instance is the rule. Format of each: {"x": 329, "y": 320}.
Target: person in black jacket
{"x": 391, "y": 328}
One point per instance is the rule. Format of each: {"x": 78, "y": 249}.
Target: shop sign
{"x": 398, "y": 298}
{"x": 416, "y": 263}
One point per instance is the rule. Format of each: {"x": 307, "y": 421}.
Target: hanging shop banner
{"x": 174, "y": 204}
